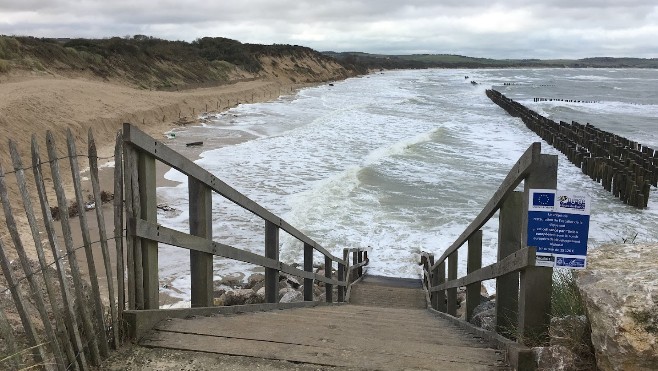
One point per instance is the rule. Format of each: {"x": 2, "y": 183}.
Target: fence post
{"x": 355, "y": 260}
{"x": 535, "y": 286}
{"x": 308, "y": 267}
{"x": 452, "y": 275}
{"x": 329, "y": 288}
{"x": 201, "y": 268}
{"x": 272, "y": 252}
{"x": 341, "y": 278}
{"x": 149, "y": 213}
{"x": 441, "y": 295}
{"x": 474, "y": 263}
{"x": 360, "y": 261}
{"x": 507, "y": 286}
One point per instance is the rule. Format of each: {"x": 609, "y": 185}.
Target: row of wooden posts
{"x": 562, "y": 100}
{"x": 79, "y": 324}
{"x": 624, "y": 167}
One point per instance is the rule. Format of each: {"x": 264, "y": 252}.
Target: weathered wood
{"x": 40, "y": 355}
{"x": 139, "y": 322}
{"x": 35, "y": 287}
{"x": 201, "y": 263}
{"x": 175, "y": 238}
{"x": 98, "y": 308}
{"x": 329, "y": 289}
{"x": 308, "y": 267}
{"x": 179, "y": 162}
{"x": 474, "y": 263}
{"x": 36, "y": 237}
{"x": 12, "y": 358}
{"x": 441, "y": 297}
{"x": 271, "y": 252}
{"x": 518, "y": 172}
{"x": 118, "y": 226}
{"x": 70, "y": 250}
{"x": 96, "y": 189}
{"x": 507, "y": 286}
{"x": 149, "y": 211}
{"x": 360, "y": 260}
{"x": 131, "y": 240}
{"x": 341, "y": 277}
{"x": 70, "y": 317}
{"x": 452, "y": 275}
{"x": 138, "y": 259}
{"x": 512, "y": 263}
{"x": 535, "y": 285}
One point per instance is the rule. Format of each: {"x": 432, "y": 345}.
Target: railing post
{"x": 474, "y": 263}
{"x": 355, "y": 261}
{"x": 149, "y": 212}
{"x": 360, "y": 269}
{"x": 441, "y": 295}
{"x": 535, "y": 288}
{"x": 308, "y": 267}
{"x": 507, "y": 286}
{"x": 329, "y": 288}
{"x": 341, "y": 278}
{"x": 201, "y": 264}
{"x": 452, "y": 275}
{"x": 272, "y": 252}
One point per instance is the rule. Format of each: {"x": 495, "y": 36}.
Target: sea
{"x": 401, "y": 162}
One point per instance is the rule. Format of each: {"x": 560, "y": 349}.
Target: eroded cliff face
{"x": 620, "y": 290}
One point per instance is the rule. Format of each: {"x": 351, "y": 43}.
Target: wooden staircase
{"x": 385, "y": 327}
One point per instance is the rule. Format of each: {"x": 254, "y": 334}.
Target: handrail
{"x": 144, "y": 233}
{"x": 523, "y": 290}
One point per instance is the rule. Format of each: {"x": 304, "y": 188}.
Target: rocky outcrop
{"x": 620, "y": 290}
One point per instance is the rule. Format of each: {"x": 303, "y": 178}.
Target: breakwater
{"x": 624, "y": 167}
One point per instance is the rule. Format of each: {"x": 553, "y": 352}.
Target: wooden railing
{"x": 144, "y": 233}
{"x": 523, "y": 290}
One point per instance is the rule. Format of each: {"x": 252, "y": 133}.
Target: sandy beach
{"x": 33, "y": 105}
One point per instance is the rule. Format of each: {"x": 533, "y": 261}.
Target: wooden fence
{"x": 65, "y": 323}
{"x": 144, "y": 234}
{"x": 523, "y": 290}
{"x": 624, "y": 167}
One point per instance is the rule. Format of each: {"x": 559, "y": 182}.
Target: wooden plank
{"x": 474, "y": 263}
{"x": 173, "y": 237}
{"x": 12, "y": 358}
{"x": 308, "y": 267}
{"x": 138, "y": 264}
{"x": 38, "y": 245}
{"x": 98, "y": 309}
{"x": 118, "y": 226}
{"x": 148, "y": 209}
{"x": 179, "y": 162}
{"x": 507, "y": 286}
{"x": 70, "y": 250}
{"x": 341, "y": 277}
{"x": 518, "y": 172}
{"x": 131, "y": 239}
{"x": 40, "y": 355}
{"x": 452, "y": 275}
{"x": 96, "y": 189}
{"x": 272, "y": 252}
{"x": 515, "y": 262}
{"x": 201, "y": 268}
{"x": 70, "y": 317}
{"x": 442, "y": 300}
{"x": 139, "y": 322}
{"x": 35, "y": 287}
{"x": 328, "y": 288}
{"x": 536, "y": 283}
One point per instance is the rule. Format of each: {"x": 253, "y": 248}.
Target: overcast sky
{"x": 481, "y": 28}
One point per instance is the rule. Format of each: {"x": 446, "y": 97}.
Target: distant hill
{"x": 377, "y": 61}
{"x": 152, "y": 63}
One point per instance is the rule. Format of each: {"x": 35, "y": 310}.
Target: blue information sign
{"x": 558, "y": 226}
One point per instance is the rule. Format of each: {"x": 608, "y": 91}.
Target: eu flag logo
{"x": 543, "y": 199}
